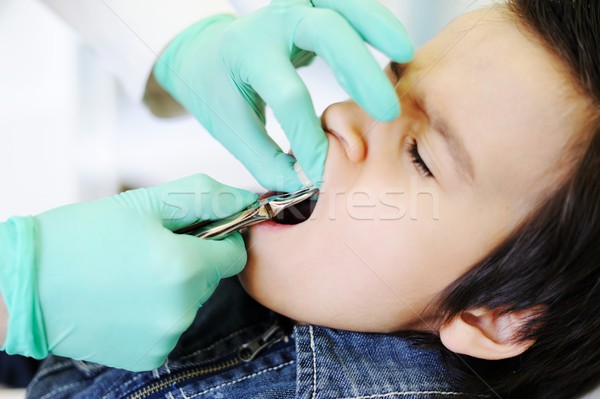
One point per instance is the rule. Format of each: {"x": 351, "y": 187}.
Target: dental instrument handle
{"x": 217, "y": 229}
{"x": 260, "y": 211}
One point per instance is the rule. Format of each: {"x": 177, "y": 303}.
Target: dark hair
{"x": 551, "y": 262}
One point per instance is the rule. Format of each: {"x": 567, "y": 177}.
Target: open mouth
{"x": 295, "y": 214}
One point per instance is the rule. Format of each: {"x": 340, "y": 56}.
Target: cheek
{"x": 365, "y": 261}
{"x": 349, "y": 274}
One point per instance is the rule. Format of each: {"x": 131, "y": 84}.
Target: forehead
{"x": 505, "y": 95}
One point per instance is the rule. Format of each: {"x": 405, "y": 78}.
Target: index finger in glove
{"x": 330, "y": 36}
{"x": 284, "y": 91}
{"x": 186, "y": 201}
{"x": 376, "y": 24}
{"x": 246, "y": 137}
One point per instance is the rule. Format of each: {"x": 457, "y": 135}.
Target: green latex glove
{"x": 221, "y": 69}
{"x": 107, "y": 281}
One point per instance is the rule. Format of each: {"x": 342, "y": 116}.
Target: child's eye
{"x": 417, "y": 160}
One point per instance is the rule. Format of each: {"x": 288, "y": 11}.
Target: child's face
{"x": 385, "y": 237}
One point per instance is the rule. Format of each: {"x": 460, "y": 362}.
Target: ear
{"x": 486, "y": 334}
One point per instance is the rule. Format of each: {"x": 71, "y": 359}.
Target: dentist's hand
{"x": 224, "y": 69}
{"x": 108, "y": 281}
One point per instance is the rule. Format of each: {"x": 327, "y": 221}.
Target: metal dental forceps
{"x": 262, "y": 210}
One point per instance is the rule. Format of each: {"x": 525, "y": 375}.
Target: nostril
{"x": 341, "y": 138}
{"x": 345, "y": 121}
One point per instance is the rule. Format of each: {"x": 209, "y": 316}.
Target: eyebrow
{"x": 454, "y": 142}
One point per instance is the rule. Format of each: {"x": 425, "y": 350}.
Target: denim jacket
{"x": 238, "y": 349}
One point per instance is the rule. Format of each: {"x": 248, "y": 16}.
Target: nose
{"x": 346, "y": 121}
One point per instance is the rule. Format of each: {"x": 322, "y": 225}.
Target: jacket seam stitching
{"x": 314, "y": 361}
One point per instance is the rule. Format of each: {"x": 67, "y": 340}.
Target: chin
{"x": 270, "y": 252}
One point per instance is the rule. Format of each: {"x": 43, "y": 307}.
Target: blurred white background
{"x": 68, "y": 133}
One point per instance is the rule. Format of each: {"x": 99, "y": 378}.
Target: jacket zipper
{"x": 158, "y": 386}
{"x": 250, "y": 350}
{"x": 246, "y": 353}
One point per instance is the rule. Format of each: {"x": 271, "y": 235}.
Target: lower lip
{"x": 269, "y": 225}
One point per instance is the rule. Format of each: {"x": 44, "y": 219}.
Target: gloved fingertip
{"x": 290, "y": 186}
{"x": 314, "y": 171}
{"x": 281, "y": 177}
{"x": 387, "y": 109}
{"x": 236, "y": 261}
{"x": 405, "y": 53}
{"x": 247, "y": 197}
{"x": 393, "y": 112}
{"x": 381, "y": 102}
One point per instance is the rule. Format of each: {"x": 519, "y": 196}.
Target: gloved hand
{"x": 107, "y": 281}
{"x": 222, "y": 68}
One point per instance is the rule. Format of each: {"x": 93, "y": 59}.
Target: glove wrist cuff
{"x": 19, "y": 286}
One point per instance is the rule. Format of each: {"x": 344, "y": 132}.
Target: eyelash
{"x": 413, "y": 150}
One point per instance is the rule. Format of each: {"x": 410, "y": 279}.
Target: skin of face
{"x": 385, "y": 237}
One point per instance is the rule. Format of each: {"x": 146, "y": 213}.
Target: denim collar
{"x": 342, "y": 364}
